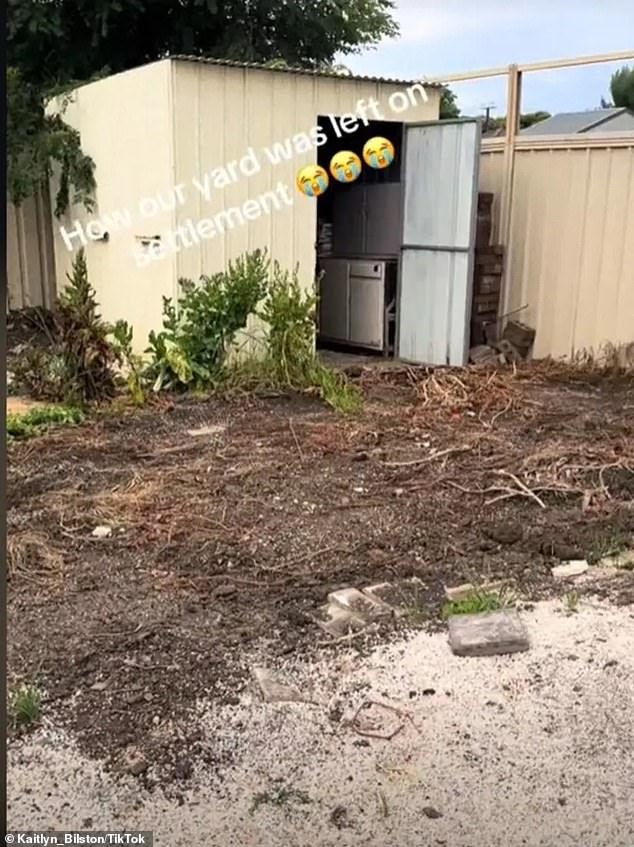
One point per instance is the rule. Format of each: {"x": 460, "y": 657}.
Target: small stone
{"x": 428, "y": 692}
{"x": 339, "y": 817}
{"x": 432, "y": 813}
{"x": 337, "y": 621}
{"x": 274, "y": 691}
{"x": 352, "y": 600}
{"x": 135, "y": 762}
{"x": 102, "y": 531}
{"x": 570, "y": 569}
{"x": 225, "y": 590}
{"x": 487, "y": 634}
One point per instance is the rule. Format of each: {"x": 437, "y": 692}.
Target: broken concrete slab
{"x": 482, "y": 354}
{"x": 212, "y": 429}
{"x": 273, "y": 689}
{"x": 488, "y": 634}
{"x": 467, "y": 589}
{"x": 401, "y": 596}
{"x": 359, "y": 604}
{"x": 570, "y": 569}
{"x": 337, "y": 621}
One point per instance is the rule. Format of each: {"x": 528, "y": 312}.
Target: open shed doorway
{"x": 358, "y": 243}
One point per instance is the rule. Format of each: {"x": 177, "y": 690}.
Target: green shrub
{"x": 37, "y": 420}
{"x": 191, "y": 349}
{"x": 291, "y": 360}
{"x": 79, "y": 366}
{"x": 25, "y": 705}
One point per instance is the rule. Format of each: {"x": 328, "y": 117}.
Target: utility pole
{"x": 488, "y": 107}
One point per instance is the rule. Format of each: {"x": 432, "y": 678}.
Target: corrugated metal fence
{"x": 570, "y": 256}
{"x": 30, "y": 256}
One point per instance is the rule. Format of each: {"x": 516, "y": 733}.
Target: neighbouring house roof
{"x": 600, "y": 120}
{"x": 304, "y": 71}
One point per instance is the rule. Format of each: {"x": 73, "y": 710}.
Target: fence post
{"x": 513, "y": 99}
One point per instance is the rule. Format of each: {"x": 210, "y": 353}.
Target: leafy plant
{"x": 79, "y": 366}
{"x": 122, "y": 334}
{"x": 37, "y": 144}
{"x": 25, "y": 705}
{"x": 191, "y": 349}
{"x": 478, "y": 601}
{"x": 37, "y": 420}
{"x": 606, "y": 545}
{"x": 571, "y": 602}
{"x": 291, "y": 361}
{"x": 89, "y": 359}
{"x": 622, "y": 87}
{"x": 279, "y": 796}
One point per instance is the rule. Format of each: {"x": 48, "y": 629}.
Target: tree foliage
{"x": 36, "y": 143}
{"x": 622, "y": 87}
{"x": 71, "y": 39}
{"x": 448, "y": 105}
{"x": 59, "y": 43}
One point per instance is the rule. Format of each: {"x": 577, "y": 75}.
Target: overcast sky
{"x": 448, "y": 36}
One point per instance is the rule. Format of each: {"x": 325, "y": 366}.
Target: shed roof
{"x": 229, "y": 63}
{"x": 573, "y": 122}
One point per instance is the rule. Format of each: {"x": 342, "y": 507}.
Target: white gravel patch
{"x": 532, "y": 749}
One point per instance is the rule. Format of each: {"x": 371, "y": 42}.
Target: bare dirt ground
{"x": 230, "y": 539}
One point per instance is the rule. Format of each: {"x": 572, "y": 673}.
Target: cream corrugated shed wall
{"x": 221, "y": 112}
{"x": 30, "y": 254}
{"x": 570, "y": 259}
{"x": 168, "y": 123}
{"x": 125, "y": 125}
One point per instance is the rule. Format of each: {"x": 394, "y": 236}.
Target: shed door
{"x": 438, "y": 241}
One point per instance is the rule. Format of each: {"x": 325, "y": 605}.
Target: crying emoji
{"x": 378, "y": 152}
{"x": 345, "y": 166}
{"x": 312, "y": 180}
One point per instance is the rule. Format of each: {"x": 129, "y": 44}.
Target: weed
{"x": 571, "y": 602}
{"x": 479, "y": 601}
{"x": 79, "y": 365}
{"x": 87, "y": 355}
{"x": 122, "y": 342}
{"x": 25, "y": 705}
{"x": 37, "y": 420}
{"x": 290, "y": 360}
{"x": 605, "y": 546}
{"x": 279, "y": 796}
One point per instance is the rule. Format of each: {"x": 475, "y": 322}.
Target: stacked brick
{"x": 487, "y": 278}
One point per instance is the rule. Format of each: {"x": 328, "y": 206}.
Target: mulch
{"x": 225, "y": 542}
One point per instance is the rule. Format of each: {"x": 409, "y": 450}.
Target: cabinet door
{"x": 334, "y": 300}
{"x": 366, "y": 311}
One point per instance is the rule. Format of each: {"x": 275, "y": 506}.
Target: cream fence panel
{"x": 30, "y": 256}
{"x": 570, "y": 257}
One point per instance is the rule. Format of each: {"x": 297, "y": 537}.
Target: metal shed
{"x": 169, "y": 138}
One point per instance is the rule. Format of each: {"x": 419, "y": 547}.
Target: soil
{"x": 228, "y": 541}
